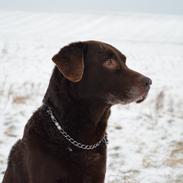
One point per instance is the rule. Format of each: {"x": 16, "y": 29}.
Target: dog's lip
{"x": 140, "y": 99}
{"x": 143, "y": 96}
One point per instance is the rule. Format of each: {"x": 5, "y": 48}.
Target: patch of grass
{"x": 20, "y": 99}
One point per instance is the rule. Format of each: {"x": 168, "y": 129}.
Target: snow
{"x": 146, "y": 140}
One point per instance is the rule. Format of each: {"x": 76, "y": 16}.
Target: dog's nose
{"x": 147, "y": 81}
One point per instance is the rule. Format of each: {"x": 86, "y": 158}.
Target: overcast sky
{"x": 151, "y": 6}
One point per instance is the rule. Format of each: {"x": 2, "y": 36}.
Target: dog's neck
{"x": 83, "y": 119}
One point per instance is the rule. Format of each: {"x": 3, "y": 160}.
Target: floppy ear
{"x": 70, "y": 61}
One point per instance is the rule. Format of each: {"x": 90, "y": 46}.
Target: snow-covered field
{"x": 146, "y": 140}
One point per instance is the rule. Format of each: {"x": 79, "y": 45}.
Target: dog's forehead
{"x": 102, "y": 47}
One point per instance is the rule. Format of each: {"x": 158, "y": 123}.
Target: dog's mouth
{"x": 142, "y": 97}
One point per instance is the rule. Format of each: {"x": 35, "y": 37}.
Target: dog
{"x": 65, "y": 140}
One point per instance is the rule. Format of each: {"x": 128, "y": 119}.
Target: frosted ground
{"x": 146, "y": 140}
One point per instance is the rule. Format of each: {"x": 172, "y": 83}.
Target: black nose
{"x": 147, "y": 81}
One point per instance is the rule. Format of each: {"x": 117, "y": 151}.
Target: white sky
{"x": 151, "y": 6}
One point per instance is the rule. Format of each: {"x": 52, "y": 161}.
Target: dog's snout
{"x": 147, "y": 81}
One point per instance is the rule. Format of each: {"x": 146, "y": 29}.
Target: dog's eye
{"x": 111, "y": 64}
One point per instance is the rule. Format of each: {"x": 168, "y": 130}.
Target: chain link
{"x": 70, "y": 139}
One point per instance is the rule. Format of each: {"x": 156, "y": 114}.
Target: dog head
{"x": 98, "y": 71}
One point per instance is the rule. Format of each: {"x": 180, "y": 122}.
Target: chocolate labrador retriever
{"x": 65, "y": 139}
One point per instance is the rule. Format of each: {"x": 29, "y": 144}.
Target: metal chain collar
{"x": 70, "y": 139}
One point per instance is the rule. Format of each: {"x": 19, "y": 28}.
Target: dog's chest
{"x": 87, "y": 159}
{"x": 86, "y": 167}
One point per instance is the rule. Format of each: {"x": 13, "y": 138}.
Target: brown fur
{"x": 81, "y": 92}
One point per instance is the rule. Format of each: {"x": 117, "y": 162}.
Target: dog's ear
{"x": 70, "y": 61}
